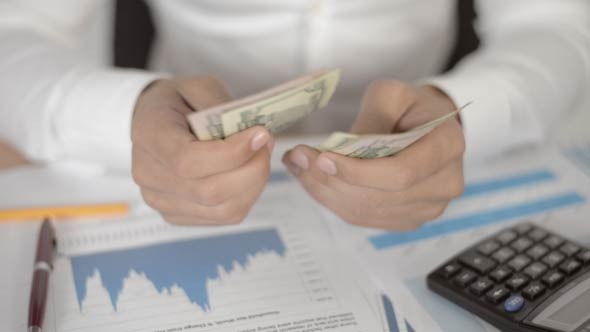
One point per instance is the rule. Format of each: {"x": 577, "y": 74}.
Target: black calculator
{"x": 524, "y": 278}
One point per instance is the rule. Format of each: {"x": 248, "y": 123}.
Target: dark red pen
{"x": 40, "y": 285}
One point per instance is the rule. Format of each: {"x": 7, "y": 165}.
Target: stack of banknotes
{"x": 281, "y": 106}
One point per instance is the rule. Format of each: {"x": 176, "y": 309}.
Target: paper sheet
{"x": 141, "y": 274}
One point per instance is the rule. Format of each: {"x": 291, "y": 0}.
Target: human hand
{"x": 191, "y": 182}
{"x": 400, "y": 192}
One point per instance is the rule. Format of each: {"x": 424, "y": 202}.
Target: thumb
{"x": 384, "y": 104}
{"x": 201, "y": 92}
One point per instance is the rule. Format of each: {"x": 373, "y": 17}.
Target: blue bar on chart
{"x": 477, "y": 219}
{"x": 508, "y": 182}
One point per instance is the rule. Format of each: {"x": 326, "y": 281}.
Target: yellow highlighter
{"x": 65, "y": 212}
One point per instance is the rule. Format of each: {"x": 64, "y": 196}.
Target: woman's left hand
{"x": 400, "y": 192}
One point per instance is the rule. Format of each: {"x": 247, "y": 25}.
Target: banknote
{"x": 276, "y": 108}
{"x": 377, "y": 146}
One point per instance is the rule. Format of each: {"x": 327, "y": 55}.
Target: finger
{"x": 384, "y": 103}
{"x": 202, "y": 92}
{"x": 403, "y": 170}
{"x": 445, "y": 184}
{"x": 149, "y": 173}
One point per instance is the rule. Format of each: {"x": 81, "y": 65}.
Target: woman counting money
{"x": 61, "y": 100}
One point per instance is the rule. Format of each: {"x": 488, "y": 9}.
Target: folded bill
{"x": 275, "y": 109}
{"x": 377, "y": 146}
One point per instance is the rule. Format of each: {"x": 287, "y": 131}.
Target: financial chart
{"x": 120, "y": 279}
{"x": 200, "y": 260}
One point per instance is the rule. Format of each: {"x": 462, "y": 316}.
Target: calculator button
{"x": 465, "y": 278}
{"x": 503, "y": 254}
{"x": 537, "y": 234}
{"x": 569, "y": 249}
{"x": 513, "y": 303}
{"x": 553, "y": 259}
{"x": 506, "y": 237}
{"x": 477, "y": 262}
{"x": 552, "y": 279}
{"x": 537, "y": 251}
{"x": 497, "y": 294}
{"x": 584, "y": 256}
{"x": 488, "y": 247}
{"x": 481, "y": 286}
{"x": 519, "y": 262}
{"x": 553, "y": 241}
{"x": 533, "y": 291}
{"x": 521, "y": 244}
{"x": 522, "y": 229}
{"x": 535, "y": 270}
{"x": 450, "y": 270}
{"x": 501, "y": 273}
{"x": 570, "y": 266}
{"x": 517, "y": 282}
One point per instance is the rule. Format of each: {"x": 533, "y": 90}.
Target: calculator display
{"x": 569, "y": 311}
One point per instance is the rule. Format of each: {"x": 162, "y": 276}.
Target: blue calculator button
{"x": 514, "y": 303}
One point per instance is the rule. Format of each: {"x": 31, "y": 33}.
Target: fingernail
{"x": 326, "y": 165}
{"x": 259, "y": 140}
{"x": 299, "y": 159}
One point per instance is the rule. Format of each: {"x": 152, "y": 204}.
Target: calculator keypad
{"x": 481, "y": 286}
{"x": 519, "y": 262}
{"x": 503, "y": 255}
{"x": 477, "y": 262}
{"x": 488, "y": 247}
{"x": 521, "y": 244}
{"x": 553, "y": 241}
{"x": 533, "y": 290}
{"x": 535, "y": 270}
{"x": 584, "y": 256}
{"x": 465, "y": 278}
{"x": 569, "y": 249}
{"x": 570, "y": 266}
{"x": 517, "y": 282}
{"x": 498, "y": 294}
{"x": 516, "y": 267}
{"x": 553, "y": 278}
{"x": 501, "y": 273}
{"x": 553, "y": 259}
{"x": 537, "y": 252}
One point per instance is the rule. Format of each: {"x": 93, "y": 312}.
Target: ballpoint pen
{"x": 40, "y": 284}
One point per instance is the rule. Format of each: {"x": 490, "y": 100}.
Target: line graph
{"x": 187, "y": 264}
{"x": 154, "y": 278}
